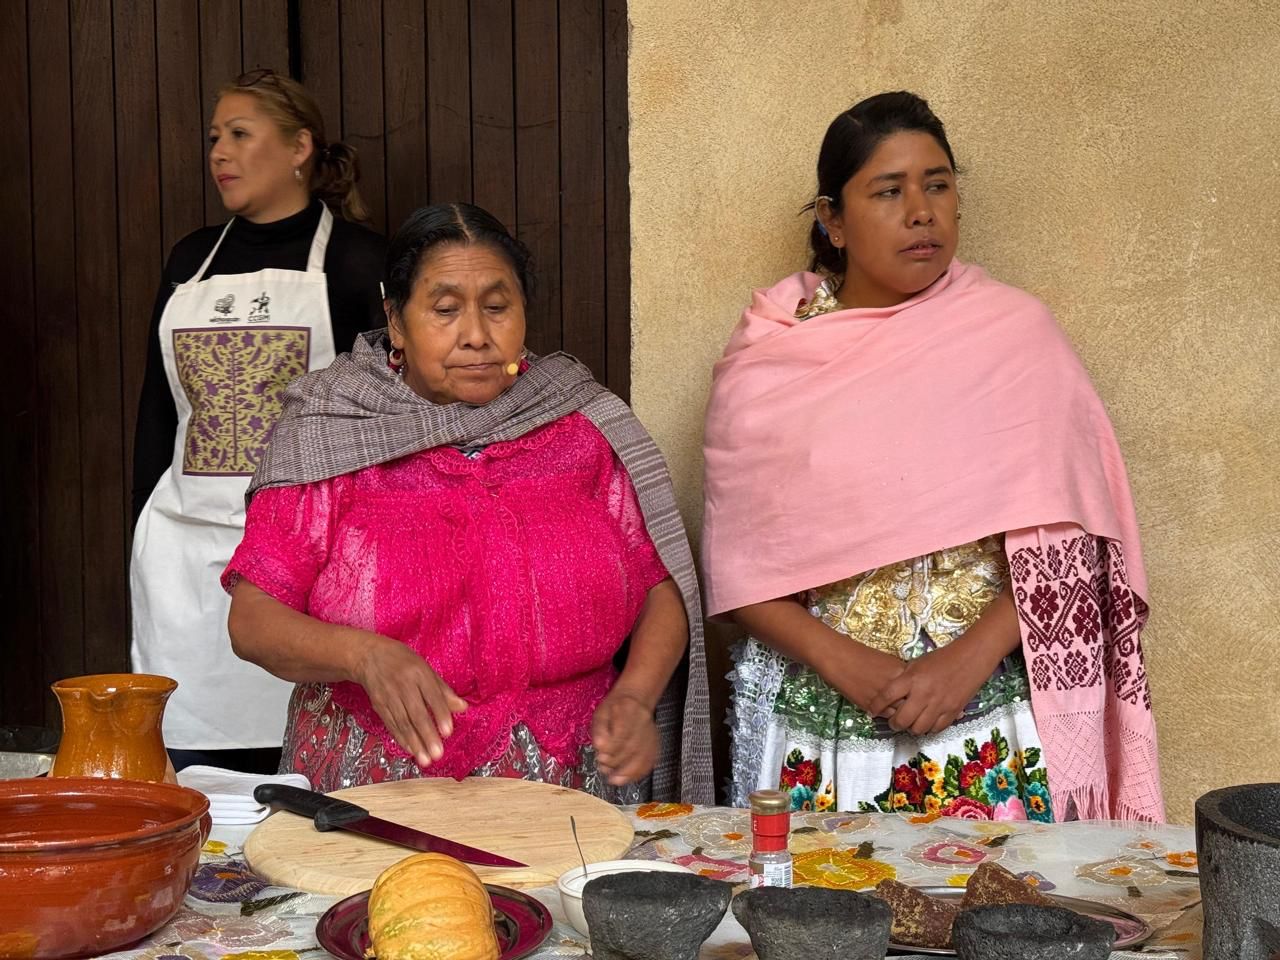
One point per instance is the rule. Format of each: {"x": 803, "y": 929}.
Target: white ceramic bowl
{"x": 572, "y": 882}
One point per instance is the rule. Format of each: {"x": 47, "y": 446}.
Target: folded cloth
{"x": 230, "y": 792}
{"x": 224, "y": 802}
{"x": 237, "y": 819}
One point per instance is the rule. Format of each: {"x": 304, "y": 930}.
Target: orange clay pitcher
{"x": 111, "y": 727}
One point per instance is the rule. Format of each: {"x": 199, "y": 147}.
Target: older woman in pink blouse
{"x": 446, "y": 551}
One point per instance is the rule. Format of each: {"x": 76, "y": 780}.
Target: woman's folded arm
{"x": 413, "y": 701}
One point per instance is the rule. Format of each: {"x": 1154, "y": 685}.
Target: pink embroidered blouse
{"x": 516, "y": 573}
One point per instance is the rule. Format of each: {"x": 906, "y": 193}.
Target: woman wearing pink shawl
{"x": 916, "y": 507}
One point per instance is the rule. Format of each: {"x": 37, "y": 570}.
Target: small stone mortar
{"x": 651, "y": 915}
{"x": 811, "y": 923}
{"x": 1238, "y": 841}
{"x": 1020, "y": 931}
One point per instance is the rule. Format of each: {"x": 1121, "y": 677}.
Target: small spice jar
{"x": 770, "y": 860}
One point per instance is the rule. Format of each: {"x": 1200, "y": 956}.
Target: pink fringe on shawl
{"x": 863, "y": 437}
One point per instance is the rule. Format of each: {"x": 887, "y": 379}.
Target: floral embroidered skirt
{"x": 325, "y": 743}
{"x": 791, "y": 731}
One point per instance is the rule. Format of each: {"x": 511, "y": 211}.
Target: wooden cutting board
{"x": 520, "y": 819}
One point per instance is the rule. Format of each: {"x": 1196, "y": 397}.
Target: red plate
{"x": 520, "y": 921}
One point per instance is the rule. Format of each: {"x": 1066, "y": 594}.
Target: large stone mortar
{"x": 1238, "y": 842}
{"x": 1021, "y": 931}
{"x": 812, "y": 923}
{"x": 647, "y": 915}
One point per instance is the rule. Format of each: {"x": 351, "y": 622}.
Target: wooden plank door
{"x": 519, "y": 106}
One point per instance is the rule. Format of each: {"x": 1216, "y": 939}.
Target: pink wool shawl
{"x": 864, "y": 437}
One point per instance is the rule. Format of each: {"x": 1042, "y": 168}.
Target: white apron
{"x": 231, "y": 344}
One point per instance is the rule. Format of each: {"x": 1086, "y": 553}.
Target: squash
{"x": 431, "y": 907}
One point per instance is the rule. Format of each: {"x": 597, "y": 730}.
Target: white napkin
{"x": 230, "y": 792}
{"x": 232, "y": 820}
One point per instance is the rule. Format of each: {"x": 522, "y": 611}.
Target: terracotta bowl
{"x": 88, "y": 866}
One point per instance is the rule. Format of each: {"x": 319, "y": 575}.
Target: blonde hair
{"x": 333, "y": 168}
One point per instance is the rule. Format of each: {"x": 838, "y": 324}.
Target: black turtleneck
{"x": 353, "y": 266}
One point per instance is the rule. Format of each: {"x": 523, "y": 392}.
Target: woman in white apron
{"x": 242, "y": 310}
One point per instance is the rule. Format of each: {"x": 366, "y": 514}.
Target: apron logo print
{"x": 224, "y": 306}
{"x": 261, "y": 307}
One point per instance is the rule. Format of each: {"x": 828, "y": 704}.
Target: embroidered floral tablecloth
{"x": 230, "y": 914}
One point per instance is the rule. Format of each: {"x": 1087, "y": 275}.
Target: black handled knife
{"x": 330, "y": 813}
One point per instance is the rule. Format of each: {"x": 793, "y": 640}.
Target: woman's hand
{"x": 858, "y": 672}
{"x": 934, "y": 689}
{"x": 862, "y": 675}
{"x": 415, "y": 704}
{"x": 625, "y": 737}
{"x": 622, "y": 730}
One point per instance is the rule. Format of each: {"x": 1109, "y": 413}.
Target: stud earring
{"x": 957, "y": 216}
{"x": 297, "y": 174}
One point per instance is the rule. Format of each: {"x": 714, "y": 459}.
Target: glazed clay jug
{"x": 111, "y": 727}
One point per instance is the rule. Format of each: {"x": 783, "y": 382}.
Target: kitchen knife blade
{"x": 330, "y": 813}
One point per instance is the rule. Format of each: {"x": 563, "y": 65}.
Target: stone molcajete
{"x": 651, "y": 915}
{"x": 1020, "y": 931}
{"x": 811, "y": 923}
{"x": 1238, "y": 841}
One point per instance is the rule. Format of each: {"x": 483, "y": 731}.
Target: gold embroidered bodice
{"x": 942, "y": 594}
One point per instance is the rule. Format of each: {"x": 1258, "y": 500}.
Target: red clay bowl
{"x": 88, "y": 865}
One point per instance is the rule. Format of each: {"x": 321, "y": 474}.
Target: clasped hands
{"x": 923, "y": 696}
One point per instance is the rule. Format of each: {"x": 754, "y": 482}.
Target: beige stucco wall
{"x": 1122, "y": 161}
